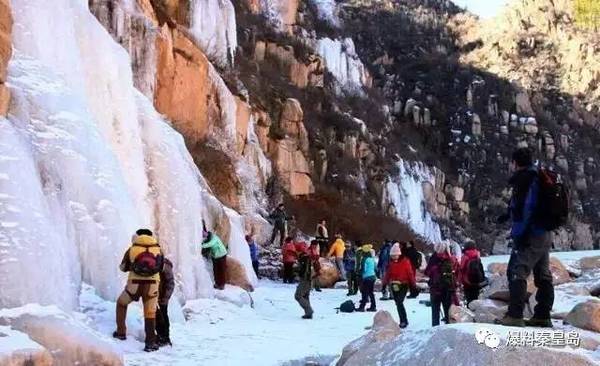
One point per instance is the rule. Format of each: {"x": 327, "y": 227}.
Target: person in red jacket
{"x": 289, "y": 260}
{"x": 472, "y": 274}
{"x": 401, "y": 278}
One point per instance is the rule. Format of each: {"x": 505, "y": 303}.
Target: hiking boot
{"x": 413, "y": 296}
{"x": 121, "y": 337}
{"x": 403, "y": 325}
{"x": 538, "y": 322}
{"x": 217, "y": 287}
{"x": 307, "y": 316}
{"x": 384, "y": 298}
{"x": 163, "y": 342}
{"x": 509, "y": 321}
{"x": 318, "y": 290}
{"x": 372, "y": 309}
{"x": 151, "y": 347}
{"x": 360, "y": 309}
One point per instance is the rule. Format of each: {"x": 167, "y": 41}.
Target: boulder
{"x": 236, "y": 274}
{"x": 6, "y": 22}
{"x": 329, "y": 274}
{"x": 560, "y": 274}
{"x": 589, "y": 263}
{"x": 457, "y": 345}
{"x": 486, "y": 311}
{"x": 585, "y": 315}
{"x": 460, "y": 314}
{"x": 4, "y": 100}
{"x": 384, "y": 329}
{"x": 68, "y": 340}
{"x": 17, "y": 349}
{"x": 497, "y": 268}
{"x": 235, "y": 295}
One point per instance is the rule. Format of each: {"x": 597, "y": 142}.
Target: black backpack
{"x": 147, "y": 264}
{"x": 475, "y": 273}
{"x": 553, "y": 201}
{"x": 347, "y": 307}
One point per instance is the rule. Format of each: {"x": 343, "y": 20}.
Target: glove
{"x": 502, "y": 219}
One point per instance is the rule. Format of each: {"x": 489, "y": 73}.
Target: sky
{"x": 483, "y": 8}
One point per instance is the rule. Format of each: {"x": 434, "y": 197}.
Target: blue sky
{"x": 483, "y": 8}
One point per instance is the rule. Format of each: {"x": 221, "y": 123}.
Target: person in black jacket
{"x": 279, "y": 220}
{"x": 415, "y": 258}
{"x": 165, "y": 291}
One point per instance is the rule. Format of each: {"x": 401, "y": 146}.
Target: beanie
{"x": 395, "y": 251}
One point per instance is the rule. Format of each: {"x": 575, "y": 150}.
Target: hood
{"x": 145, "y": 240}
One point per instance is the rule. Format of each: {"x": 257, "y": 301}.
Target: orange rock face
{"x": 301, "y": 73}
{"x": 6, "y": 23}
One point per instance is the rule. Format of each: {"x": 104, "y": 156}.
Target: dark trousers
{"x": 162, "y": 322}
{"x": 367, "y": 292}
{"x": 220, "y": 271}
{"x": 352, "y": 282}
{"x": 533, "y": 256}
{"x": 323, "y": 246}
{"x": 399, "y": 294}
{"x": 471, "y": 294}
{"x": 278, "y": 229}
{"x": 414, "y": 290}
{"x": 439, "y": 300}
{"x": 288, "y": 272}
{"x": 255, "y": 266}
{"x": 302, "y": 296}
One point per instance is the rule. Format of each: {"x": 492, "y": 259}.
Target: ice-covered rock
{"x": 343, "y": 62}
{"x": 17, "y": 349}
{"x": 235, "y": 295}
{"x": 585, "y": 315}
{"x": 69, "y": 341}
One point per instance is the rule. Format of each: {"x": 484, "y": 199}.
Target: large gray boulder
{"x": 456, "y": 345}
{"x": 585, "y": 315}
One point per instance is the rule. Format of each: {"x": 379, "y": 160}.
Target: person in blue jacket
{"x": 382, "y": 265}
{"x": 531, "y": 246}
{"x": 253, "y": 253}
{"x": 349, "y": 266}
{"x": 367, "y": 285}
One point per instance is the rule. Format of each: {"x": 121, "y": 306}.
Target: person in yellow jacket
{"x": 144, "y": 261}
{"x": 337, "y": 249}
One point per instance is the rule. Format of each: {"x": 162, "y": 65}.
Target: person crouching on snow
{"x": 400, "y": 278}
{"x": 305, "y": 275}
{"x": 165, "y": 291}
{"x": 213, "y": 247}
{"x": 144, "y": 262}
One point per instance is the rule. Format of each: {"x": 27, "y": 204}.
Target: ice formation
{"x": 213, "y": 26}
{"x": 86, "y": 160}
{"x": 405, "y": 192}
{"x": 326, "y": 10}
{"x": 343, "y": 62}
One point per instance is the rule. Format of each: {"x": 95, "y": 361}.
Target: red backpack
{"x": 147, "y": 264}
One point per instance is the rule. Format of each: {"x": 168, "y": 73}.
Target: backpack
{"x": 447, "y": 274}
{"x": 553, "y": 201}
{"x": 347, "y": 307}
{"x": 474, "y": 274}
{"x": 147, "y": 264}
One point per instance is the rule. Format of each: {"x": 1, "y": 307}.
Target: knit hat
{"x": 366, "y": 248}
{"x": 395, "y": 251}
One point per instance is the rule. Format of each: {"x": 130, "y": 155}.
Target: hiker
{"x": 531, "y": 245}
{"x": 400, "y": 278}
{"x": 165, "y": 291}
{"x": 442, "y": 270}
{"x": 322, "y": 237}
{"x": 315, "y": 256}
{"x": 213, "y": 247}
{"x": 337, "y": 249}
{"x": 382, "y": 265}
{"x": 360, "y": 256}
{"x": 349, "y": 267}
{"x": 471, "y": 272}
{"x": 416, "y": 259}
{"x": 305, "y": 275}
{"x": 289, "y": 260}
{"x": 300, "y": 244}
{"x": 279, "y": 220}
{"x": 144, "y": 261}
{"x": 253, "y": 253}
{"x": 368, "y": 281}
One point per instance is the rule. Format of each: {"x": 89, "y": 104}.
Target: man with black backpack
{"x": 409, "y": 250}
{"x": 144, "y": 261}
{"x": 442, "y": 270}
{"x": 539, "y": 204}
{"x": 471, "y": 272}
{"x": 305, "y": 275}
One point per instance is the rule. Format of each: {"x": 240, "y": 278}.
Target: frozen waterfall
{"x": 85, "y": 160}
{"x": 405, "y": 192}
{"x": 214, "y": 28}
{"x": 343, "y": 62}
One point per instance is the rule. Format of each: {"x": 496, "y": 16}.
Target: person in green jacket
{"x": 213, "y": 247}
{"x": 305, "y": 275}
